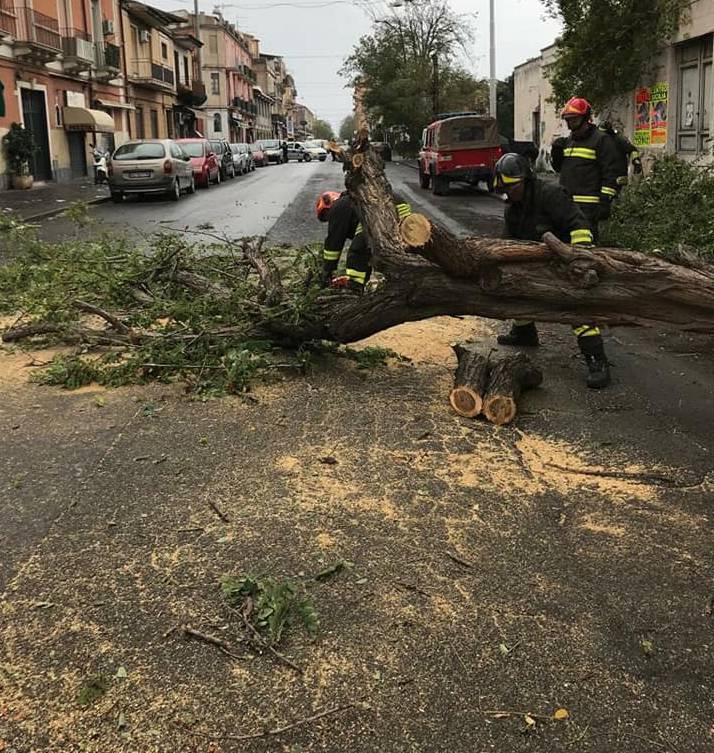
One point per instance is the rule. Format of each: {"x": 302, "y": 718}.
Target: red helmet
{"x": 576, "y": 107}
{"x": 324, "y": 201}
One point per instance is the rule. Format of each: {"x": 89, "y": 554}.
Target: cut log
{"x": 470, "y": 381}
{"x": 415, "y": 230}
{"x": 508, "y": 377}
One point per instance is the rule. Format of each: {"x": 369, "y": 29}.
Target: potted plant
{"x": 19, "y": 148}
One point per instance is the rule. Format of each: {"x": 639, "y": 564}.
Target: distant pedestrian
{"x": 284, "y": 147}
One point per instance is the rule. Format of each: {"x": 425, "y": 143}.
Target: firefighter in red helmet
{"x": 340, "y": 213}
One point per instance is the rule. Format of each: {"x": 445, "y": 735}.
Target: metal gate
{"x": 77, "y": 154}
{"x": 34, "y": 113}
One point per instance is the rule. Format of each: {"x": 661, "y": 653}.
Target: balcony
{"x": 107, "y": 61}
{"x": 77, "y": 49}
{"x": 151, "y": 74}
{"x": 193, "y": 94}
{"x": 38, "y": 37}
{"x": 8, "y": 19}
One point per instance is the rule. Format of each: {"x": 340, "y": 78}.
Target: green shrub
{"x": 672, "y": 206}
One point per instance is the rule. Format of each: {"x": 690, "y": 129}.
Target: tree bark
{"x": 470, "y": 381}
{"x": 507, "y": 379}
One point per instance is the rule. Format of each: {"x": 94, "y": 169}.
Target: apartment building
{"x": 161, "y": 72}
{"x": 227, "y": 71}
{"x": 303, "y": 118}
{"x": 278, "y": 84}
{"x": 670, "y": 111}
{"x": 60, "y": 65}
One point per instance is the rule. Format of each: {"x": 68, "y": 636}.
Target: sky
{"x": 315, "y": 36}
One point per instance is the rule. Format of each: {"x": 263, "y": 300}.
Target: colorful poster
{"x": 642, "y": 117}
{"x": 651, "y": 115}
{"x": 658, "y": 117}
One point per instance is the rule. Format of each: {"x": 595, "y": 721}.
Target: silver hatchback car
{"x": 150, "y": 166}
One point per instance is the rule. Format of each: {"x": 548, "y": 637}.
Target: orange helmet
{"x": 576, "y": 107}
{"x": 324, "y": 201}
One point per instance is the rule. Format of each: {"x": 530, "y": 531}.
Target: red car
{"x": 204, "y": 162}
{"x": 259, "y": 158}
{"x": 459, "y": 147}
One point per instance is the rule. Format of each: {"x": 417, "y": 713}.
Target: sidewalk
{"x": 46, "y": 199}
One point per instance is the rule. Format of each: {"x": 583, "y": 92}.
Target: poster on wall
{"x": 651, "y": 115}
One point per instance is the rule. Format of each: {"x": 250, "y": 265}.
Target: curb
{"x": 59, "y": 210}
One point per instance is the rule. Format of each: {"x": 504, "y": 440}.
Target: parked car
{"x": 298, "y": 151}
{"x": 259, "y": 158}
{"x": 272, "y": 150}
{"x": 203, "y": 160}
{"x": 463, "y": 147}
{"x": 150, "y": 166}
{"x": 222, "y": 149}
{"x": 383, "y": 149}
{"x": 242, "y": 159}
{"x": 316, "y": 149}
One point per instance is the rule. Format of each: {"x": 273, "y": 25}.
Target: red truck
{"x": 460, "y": 147}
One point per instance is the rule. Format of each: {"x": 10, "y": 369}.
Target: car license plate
{"x": 140, "y": 174}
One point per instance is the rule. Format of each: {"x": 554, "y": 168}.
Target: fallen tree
{"x": 204, "y": 312}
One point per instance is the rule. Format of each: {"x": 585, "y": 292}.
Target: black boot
{"x": 520, "y": 334}
{"x": 593, "y": 349}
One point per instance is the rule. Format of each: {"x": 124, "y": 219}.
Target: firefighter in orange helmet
{"x": 340, "y": 213}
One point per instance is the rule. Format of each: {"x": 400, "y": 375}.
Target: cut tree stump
{"x": 470, "y": 381}
{"x": 508, "y": 377}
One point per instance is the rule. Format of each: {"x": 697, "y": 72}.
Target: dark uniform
{"x": 359, "y": 257}
{"x": 626, "y": 150}
{"x": 546, "y": 208}
{"x": 342, "y": 222}
{"x": 588, "y": 168}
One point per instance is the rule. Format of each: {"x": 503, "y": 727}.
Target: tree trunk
{"x": 507, "y": 379}
{"x": 502, "y": 279}
{"x": 469, "y": 381}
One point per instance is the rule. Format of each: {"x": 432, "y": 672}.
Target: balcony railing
{"x": 149, "y": 71}
{"x": 8, "y": 19}
{"x": 40, "y": 30}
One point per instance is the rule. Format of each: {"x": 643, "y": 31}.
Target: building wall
{"x": 680, "y": 66}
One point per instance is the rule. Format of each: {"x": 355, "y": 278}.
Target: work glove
{"x": 637, "y": 166}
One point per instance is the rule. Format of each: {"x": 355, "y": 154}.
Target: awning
{"x": 237, "y": 121}
{"x": 115, "y": 105}
{"x": 83, "y": 119}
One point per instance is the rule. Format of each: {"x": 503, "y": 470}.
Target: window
{"x": 215, "y": 83}
{"x": 154, "y": 124}
{"x": 194, "y": 148}
{"x": 213, "y": 43}
{"x": 139, "y": 151}
{"x": 694, "y": 109}
{"x": 177, "y": 152}
{"x": 164, "y": 51}
{"x": 217, "y": 125}
{"x": 140, "y": 130}
{"x": 186, "y": 77}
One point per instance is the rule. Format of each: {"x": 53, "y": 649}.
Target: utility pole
{"x": 492, "y": 83}
{"x": 435, "y": 78}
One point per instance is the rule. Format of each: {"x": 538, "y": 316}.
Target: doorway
{"x": 77, "y": 154}
{"x": 34, "y": 113}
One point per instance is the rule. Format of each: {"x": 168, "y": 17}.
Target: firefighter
{"x": 587, "y": 162}
{"x": 626, "y": 151}
{"x": 359, "y": 265}
{"x": 535, "y": 207}
{"x": 340, "y": 213}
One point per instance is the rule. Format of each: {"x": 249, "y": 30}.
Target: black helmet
{"x": 512, "y": 168}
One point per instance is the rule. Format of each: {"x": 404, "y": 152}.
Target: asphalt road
{"x": 584, "y": 531}
{"x": 278, "y": 201}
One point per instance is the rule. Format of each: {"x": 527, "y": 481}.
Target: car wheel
{"x": 117, "y": 197}
{"x": 440, "y": 185}
{"x": 192, "y": 185}
{"x": 174, "y": 192}
{"x": 424, "y": 179}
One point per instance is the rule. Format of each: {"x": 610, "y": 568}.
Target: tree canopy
{"x": 409, "y": 68}
{"x": 321, "y": 129}
{"x": 347, "y": 128}
{"x": 608, "y": 46}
